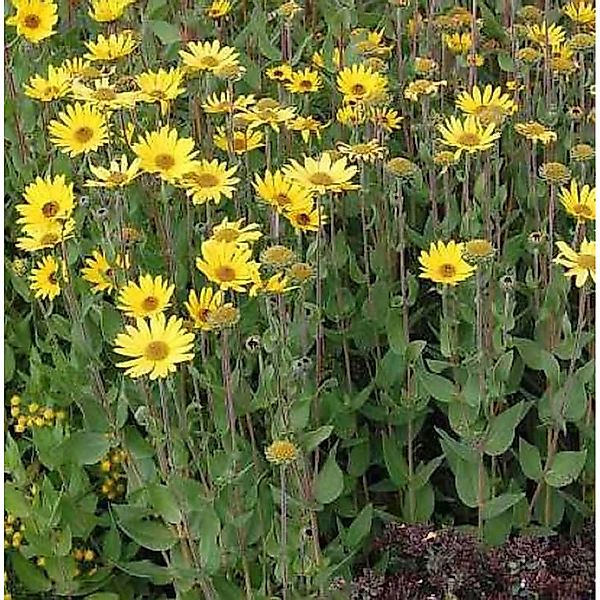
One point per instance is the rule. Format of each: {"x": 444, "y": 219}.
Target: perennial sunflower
{"x": 149, "y": 297}
{"x": 208, "y": 56}
{"x": 535, "y": 132}
{"x": 46, "y": 199}
{"x": 243, "y": 141}
{"x": 361, "y": 84}
{"x": 210, "y": 180}
{"x": 468, "y": 135}
{"x": 80, "y": 128}
{"x": 34, "y": 19}
{"x": 280, "y": 192}
{"x": 119, "y": 174}
{"x": 44, "y": 278}
{"x": 160, "y": 86}
{"x": 112, "y": 47}
{"x": 580, "y": 265}
{"x": 491, "y": 106}
{"x": 56, "y": 85}
{"x": 322, "y": 175}
{"x": 46, "y": 234}
{"x": 235, "y": 231}
{"x": 200, "y": 306}
{"x": 106, "y": 11}
{"x": 103, "y": 95}
{"x": 304, "y": 82}
{"x": 579, "y": 202}
{"x": 154, "y": 348}
{"x": 100, "y": 272}
{"x": 444, "y": 263}
{"x": 227, "y": 264}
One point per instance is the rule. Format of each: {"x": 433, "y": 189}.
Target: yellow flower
{"x": 55, "y": 86}
{"x": 45, "y": 234}
{"x": 268, "y": 112}
{"x": 77, "y": 68}
{"x": 44, "y": 278}
{"x": 243, "y": 141}
{"x": 201, "y": 306}
{"x": 425, "y": 65}
{"x": 304, "y": 82}
{"x": 554, "y": 172}
{"x": 322, "y": 175}
{"x": 306, "y": 217}
{"x": 234, "y": 231}
{"x": 351, "y": 115}
{"x": 306, "y": 126}
{"x": 100, "y": 273}
{"x": 468, "y": 135}
{"x": 553, "y": 36}
{"x": 277, "y": 284}
{"x": 227, "y": 264}
{"x": 280, "y": 192}
{"x": 281, "y": 72}
{"x": 401, "y": 167}
{"x": 209, "y": 56}
{"x": 457, "y": 43}
{"x": 535, "y": 131}
{"x": 581, "y": 152}
{"x": 105, "y": 11}
{"x": 111, "y": 48}
{"x": 421, "y": 87}
{"x": 581, "y": 12}
{"x": 277, "y": 256}
{"x": 282, "y": 452}
{"x": 301, "y": 272}
{"x": 154, "y": 348}
{"x": 478, "y": 250}
{"x": 360, "y": 83}
{"x": 46, "y": 199}
{"x": 165, "y": 153}
{"x": 218, "y": 9}
{"x": 372, "y": 44}
{"x": 491, "y": 106}
{"x": 103, "y": 95}
{"x": 119, "y": 174}
{"x": 225, "y": 103}
{"x": 81, "y": 128}
{"x": 160, "y": 86}
{"x": 148, "y": 298}
{"x": 209, "y": 180}
{"x": 319, "y": 62}
{"x": 385, "y": 118}
{"x": 579, "y": 264}
{"x": 444, "y": 263}
{"x": 363, "y": 152}
{"x": 581, "y": 203}
{"x": 34, "y": 19}
{"x": 223, "y": 317}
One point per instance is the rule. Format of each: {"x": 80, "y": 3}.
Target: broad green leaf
{"x": 9, "y": 363}
{"x": 505, "y": 62}
{"x": 438, "y": 387}
{"x": 30, "y": 576}
{"x": 360, "y": 527}
{"x": 466, "y": 480}
{"x": 530, "y": 461}
{"x": 312, "y": 439}
{"x": 566, "y": 467}
{"x": 425, "y": 471}
{"x": 153, "y": 535}
{"x": 329, "y": 483}
{"x": 395, "y": 331}
{"x": 85, "y": 448}
{"x": 395, "y": 461}
{"x": 496, "y": 506}
{"x": 164, "y": 502}
{"x": 167, "y": 33}
{"x": 538, "y": 358}
{"x": 502, "y": 427}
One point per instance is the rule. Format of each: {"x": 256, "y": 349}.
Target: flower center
{"x": 156, "y": 351}
{"x": 303, "y": 219}
{"x": 52, "y": 279}
{"x": 306, "y": 84}
{"x": 116, "y": 177}
{"x": 48, "y": 239}
{"x": 51, "y": 90}
{"x": 225, "y": 273}
{"x": 31, "y": 21}
{"x": 209, "y": 62}
{"x": 587, "y": 261}
{"x": 84, "y": 134}
{"x": 105, "y": 94}
{"x": 150, "y": 303}
{"x": 320, "y": 178}
{"x": 164, "y": 161}
{"x": 205, "y": 180}
{"x": 582, "y": 209}
{"x": 50, "y": 209}
{"x": 448, "y": 270}
{"x": 358, "y": 89}
{"x": 239, "y": 144}
{"x": 469, "y": 138}
{"x": 227, "y": 234}
{"x": 282, "y": 199}
{"x": 158, "y": 94}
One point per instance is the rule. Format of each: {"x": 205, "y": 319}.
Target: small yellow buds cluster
{"x": 13, "y": 532}
{"x": 112, "y": 468}
{"x": 86, "y": 558}
{"x": 34, "y": 415}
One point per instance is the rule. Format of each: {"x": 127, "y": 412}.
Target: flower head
{"x": 282, "y": 452}
{"x": 34, "y": 19}
{"x": 147, "y": 298}
{"x": 45, "y": 278}
{"x": 79, "y": 129}
{"x": 444, "y": 263}
{"x": 579, "y": 202}
{"x": 580, "y": 265}
{"x": 112, "y": 47}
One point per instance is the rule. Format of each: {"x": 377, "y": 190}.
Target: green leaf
{"x": 9, "y": 363}
{"x": 313, "y": 438}
{"x": 496, "y": 506}
{"x": 32, "y": 578}
{"x": 530, "y": 460}
{"x": 566, "y": 467}
{"x": 466, "y": 482}
{"x": 85, "y": 448}
{"x": 502, "y": 427}
{"x": 438, "y": 387}
{"x": 425, "y": 471}
{"x": 153, "y": 535}
{"x": 503, "y": 366}
{"x": 505, "y": 62}
{"x": 395, "y": 461}
{"x": 165, "y": 32}
{"x": 360, "y": 527}
{"x": 395, "y": 331}
{"x": 164, "y": 502}
{"x": 538, "y": 358}
{"x": 103, "y": 596}
{"x": 329, "y": 483}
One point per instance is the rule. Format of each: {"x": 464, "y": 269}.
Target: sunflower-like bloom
{"x": 56, "y": 85}
{"x": 34, "y": 19}
{"x": 422, "y": 87}
{"x": 281, "y": 72}
{"x": 227, "y": 264}
{"x": 553, "y": 36}
{"x": 306, "y": 217}
{"x": 469, "y": 135}
{"x": 281, "y": 192}
{"x": 351, "y": 115}
{"x": 304, "y": 82}
{"x": 282, "y": 452}
{"x": 46, "y": 234}
{"x": 491, "y": 106}
{"x": 277, "y": 284}
{"x": 457, "y": 43}
{"x": 200, "y": 306}
{"x": 106, "y": 11}
{"x": 237, "y": 232}
{"x": 580, "y": 265}
{"x": 363, "y": 152}
{"x": 160, "y": 86}
{"x": 154, "y": 348}
{"x": 210, "y": 180}
{"x": 361, "y": 84}
{"x": 100, "y": 272}
{"x": 112, "y": 47}
{"x": 581, "y": 12}
{"x": 387, "y": 119}
{"x": 78, "y": 68}
{"x": 444, "y": 263}
{"x": 581, "y": 203}
{"x": 119, "y": 174}
{"x": 150, "y": 297}
{"x": 80, "y": 128}
{"x": 165, "y": 153}
{"x": 218, "y": 9}
{"x": 268, "y": 112}
{"x": 44, "y": 278}
{"x": 322, "y": 175}
{"x": 103, "y": 95}
{"x": 209, "y": 56}
{"x": 535, "y": 132}
{"x": 226, "y": 103}
{"x": 243, "y": 141}
{"x": 46, "y": 199}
